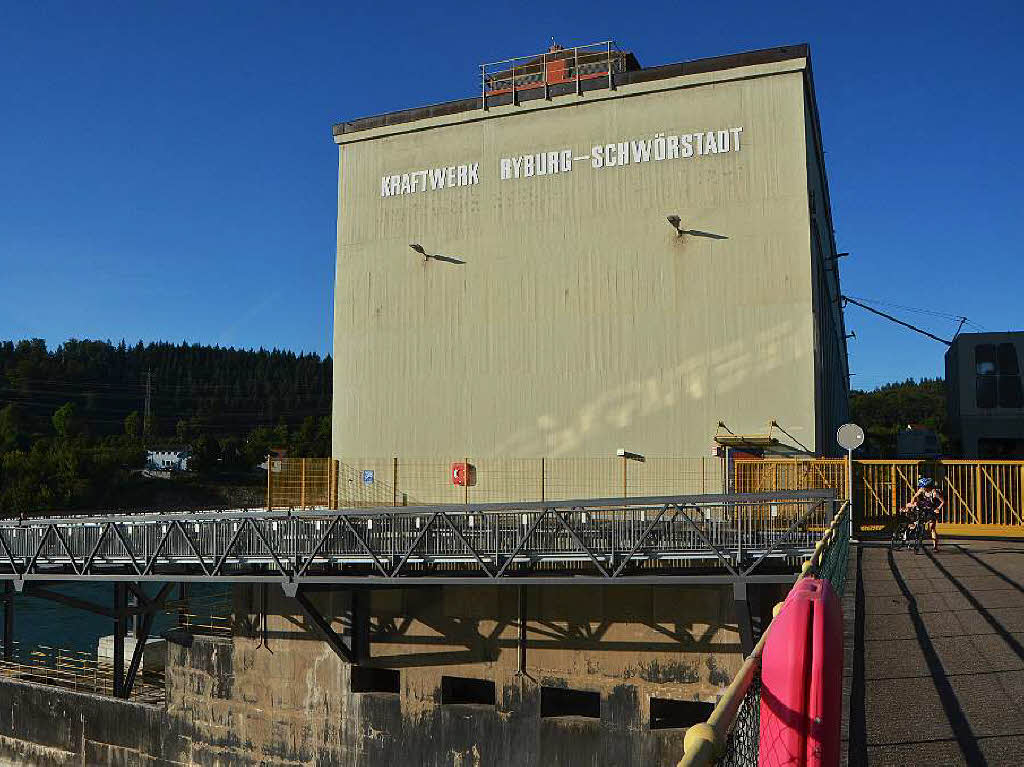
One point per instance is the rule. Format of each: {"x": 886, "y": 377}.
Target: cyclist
{"x": 927, "y": 502}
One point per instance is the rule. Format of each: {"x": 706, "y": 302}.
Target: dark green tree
{"x": 133, "y": 427}
{"x": 65, "y": 422}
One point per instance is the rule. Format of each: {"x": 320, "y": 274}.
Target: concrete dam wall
{"x": 607, "y": 676}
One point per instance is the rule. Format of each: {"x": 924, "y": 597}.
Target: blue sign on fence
{"x": 367, "y": 476}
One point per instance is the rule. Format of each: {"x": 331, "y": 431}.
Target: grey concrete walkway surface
{"x": 938, "y": 656}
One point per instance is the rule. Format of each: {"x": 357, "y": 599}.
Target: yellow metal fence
{"x": 981, "y": 497}
{"x": 369, "y": 482}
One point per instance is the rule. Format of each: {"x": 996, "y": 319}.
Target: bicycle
{"x": 909, "y": 531}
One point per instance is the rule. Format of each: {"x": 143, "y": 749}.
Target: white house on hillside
{"x": 168, "y": 458}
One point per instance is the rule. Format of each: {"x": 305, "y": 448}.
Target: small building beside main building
{"x": 985, "y": 396}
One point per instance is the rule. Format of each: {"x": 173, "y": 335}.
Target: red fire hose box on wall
{"x": 463, "y": 474}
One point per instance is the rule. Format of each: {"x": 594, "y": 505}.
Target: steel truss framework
{"x": 637, "y": 540}
{"x": 130, "y": 602}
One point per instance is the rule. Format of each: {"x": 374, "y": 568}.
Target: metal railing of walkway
{"x": 597, "y": 540}
{"x": 731, "y": 735}
{"x": 982, "y": 497}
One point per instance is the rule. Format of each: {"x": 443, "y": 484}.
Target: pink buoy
{"x": 802, "y": 680}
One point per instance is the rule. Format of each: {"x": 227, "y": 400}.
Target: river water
{"x": 44, "y": 622}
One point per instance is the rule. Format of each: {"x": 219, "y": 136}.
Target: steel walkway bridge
{"x": 738, "y": 539}
{"x": 601, "y": 540}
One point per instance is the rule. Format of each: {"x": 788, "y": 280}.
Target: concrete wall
{"x": 832, "y": 379}
{"x": 45, "y": 726}
{"x": 276, "y": 695}
{"x": 290, "y": 695}
{"x": 969, "y": 423}
{"x": 580, "y": 322}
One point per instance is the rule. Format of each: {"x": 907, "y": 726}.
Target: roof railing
{"x": 557, "y": 66}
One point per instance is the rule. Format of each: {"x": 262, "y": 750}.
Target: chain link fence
{"x": 302, "y": 483}
{"x": 743, "y": 738}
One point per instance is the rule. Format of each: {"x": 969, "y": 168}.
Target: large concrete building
{"x": 569, "y": 316}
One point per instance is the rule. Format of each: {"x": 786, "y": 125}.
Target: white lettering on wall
{"x": 430, "y": 180}
{"x": 635, "y": 151}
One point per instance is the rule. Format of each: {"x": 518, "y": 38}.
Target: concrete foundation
{"x": 449, "y": 683}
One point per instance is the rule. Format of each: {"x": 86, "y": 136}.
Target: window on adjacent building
{"x": 985, "y": 381}
{"x": 1010, "y": 394}
{"x": 997, "y": 376}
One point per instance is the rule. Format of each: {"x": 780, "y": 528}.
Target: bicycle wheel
{"x": 918, "y": 535}
{"x": 897, "y": 537}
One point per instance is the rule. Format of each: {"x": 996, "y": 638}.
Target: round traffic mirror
{"x": 850, "y": 436}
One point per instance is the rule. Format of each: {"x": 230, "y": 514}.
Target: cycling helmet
{"x": 924, "y": 482}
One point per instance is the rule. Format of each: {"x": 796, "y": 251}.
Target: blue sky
{"x": 167, "y": 170}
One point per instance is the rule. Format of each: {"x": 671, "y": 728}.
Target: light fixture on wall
{"x": 630, "y": 456}
{"x": 677, "y": 224}
{"x": 427, "y": 256}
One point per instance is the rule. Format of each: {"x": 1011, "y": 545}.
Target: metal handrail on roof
{"x": 555, "y": 66}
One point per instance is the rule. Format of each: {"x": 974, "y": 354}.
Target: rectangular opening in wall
{"x": 559, "y": 701}
{"x": 457, "y": 689}
{"x": 666, "y": 714}
{"x": 365, "y": 679}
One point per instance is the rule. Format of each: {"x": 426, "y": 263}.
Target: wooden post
{"x": 625, "y": 471}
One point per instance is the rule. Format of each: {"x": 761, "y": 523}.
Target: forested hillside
{"x": 883, "y": 411}
{"x": 72, "y": 423}
{"x": 223, "y": 391}
{"x": 72, "y": 428}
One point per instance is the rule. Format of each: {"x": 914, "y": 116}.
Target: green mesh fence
{"x": 745, "y": 736}
{"x": 835, "y": 557}
{"x": 743, "y": 744}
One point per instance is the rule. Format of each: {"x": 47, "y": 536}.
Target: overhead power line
{"x": 898, "y": 321}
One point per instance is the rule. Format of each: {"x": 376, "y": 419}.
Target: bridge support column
{"x": 360, "y": 617}
{"x": 182, "y": 604}
{"x": 120, "y": 629}
{"x": 522, "y": 630}
{"x": 9, "y": 623}
{"x": 745, "y": 599}
{"x": 133, "y": 603}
